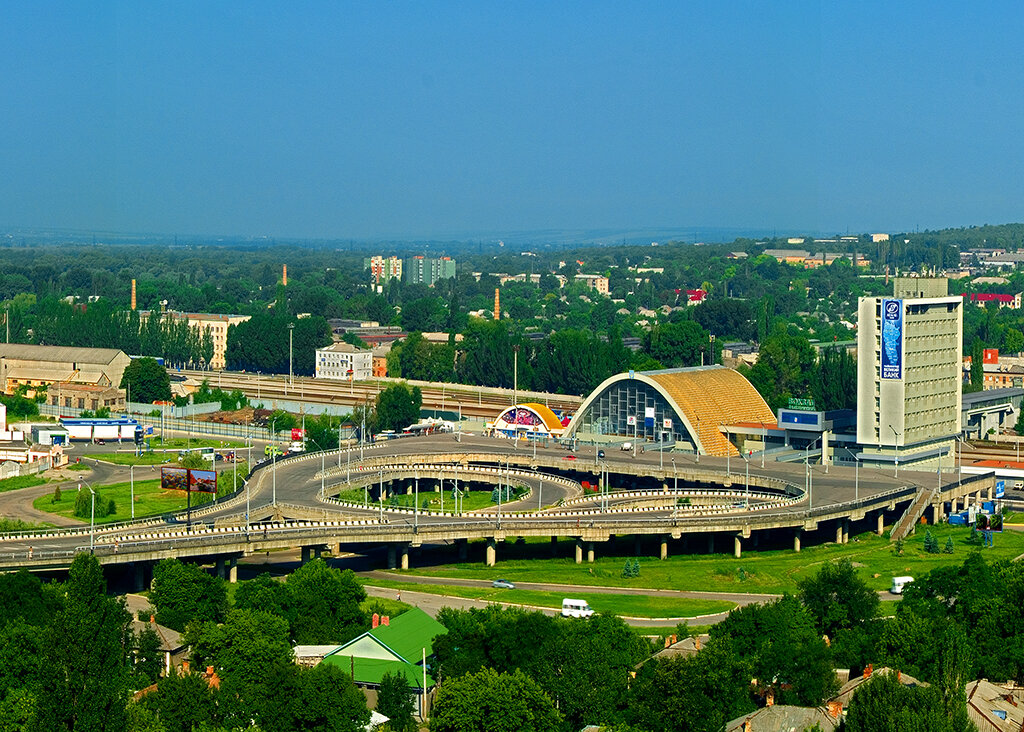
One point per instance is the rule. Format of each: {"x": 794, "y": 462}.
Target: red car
{"x": 569, "y": 457}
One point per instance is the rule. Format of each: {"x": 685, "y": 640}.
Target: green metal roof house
{"x": 395, "y": 646}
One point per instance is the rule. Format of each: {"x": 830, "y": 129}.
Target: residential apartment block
{"x": 426, "y": 271}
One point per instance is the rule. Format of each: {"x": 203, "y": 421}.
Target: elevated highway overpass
{"x": 710, "y": 504}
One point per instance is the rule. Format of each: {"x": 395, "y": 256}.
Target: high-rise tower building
{"x": 909, "y": 379}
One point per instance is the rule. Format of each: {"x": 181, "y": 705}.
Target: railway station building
{"x": 687, "y": 407}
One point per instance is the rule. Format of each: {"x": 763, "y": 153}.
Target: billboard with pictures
{"x": 202, "y": 481}
{"x": 173, "y": 479}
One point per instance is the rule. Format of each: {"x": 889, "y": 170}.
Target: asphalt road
{"x": 293, "y": 481}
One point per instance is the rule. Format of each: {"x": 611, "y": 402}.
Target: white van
{"x": 576, "y": 609}
{"x": 898, "y": 583}
{"x": 626, "y": 446}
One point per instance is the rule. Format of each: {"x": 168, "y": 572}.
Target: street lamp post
{"x": 92, "y": 515}
{"x": 131, "y": 474}
{"x": 747, "y": 499}
{"x": 896, "y": 445}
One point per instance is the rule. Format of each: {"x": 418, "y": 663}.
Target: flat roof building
{"x": 909, "y": 372}
{"x": 344, "y": 361}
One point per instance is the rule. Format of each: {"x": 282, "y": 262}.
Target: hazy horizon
{"x": 413, "y": 121}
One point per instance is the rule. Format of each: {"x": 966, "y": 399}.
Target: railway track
{"x": 470, "y": 401}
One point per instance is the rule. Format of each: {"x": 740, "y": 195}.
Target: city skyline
{"x": 416, "y": 121}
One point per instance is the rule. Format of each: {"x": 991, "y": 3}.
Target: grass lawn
{"x": 431, "y": 501}
{"x": 21, "y": 481}
{"x": 150, "y": 500}
{"x": 773, "y": 571}
{"x": 129, "y": 458}
{"x": 637, "y": 606}
{"x": 81, "y": 467}
{"x": 181, "y": 443}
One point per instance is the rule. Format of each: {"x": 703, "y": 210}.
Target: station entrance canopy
{"x": 687, "y": 405}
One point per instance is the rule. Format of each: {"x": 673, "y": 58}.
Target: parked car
{"x": 503, "y": 584}
{"x": 626, "y": 446}
{"x": 568, "y": 457}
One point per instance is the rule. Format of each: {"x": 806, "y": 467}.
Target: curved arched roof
{"x": 704, "y": 398}
{"x": 549, "y": 418}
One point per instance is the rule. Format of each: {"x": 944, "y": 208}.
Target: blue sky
{"x": 433, "y": 119}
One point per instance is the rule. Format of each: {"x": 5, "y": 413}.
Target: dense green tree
{"x": 726, "y": 318}
{"x": 837, "y": 598}
{"x": 183, "y": 593}
{"x": 183, "y": 701}
{"x": 242, "y": 650}
{"x": 583, "y": 665}
{"x": 696, "y": 694}
{"x": 834, "y": 385}
{"x": 785, "y": 652}
{"x": 24, "y": 597}
{"x": 398, "y": 406}
{"x": 491, "y": 702}
{"x": 395, "y": 701}
{"x": 147, "y": 381}
{"x": 149, "y": 659}
{"x": 679, "y": 344}
{"x": 326, "y": 604}
{"x": 486, "y": 355}
{"x": 883, "y": 703}
{"x": 416, "y": 358}
{"x": 84, "y": 684}
{"x": 322, "y": 699}
{"x": 784, "y": 368}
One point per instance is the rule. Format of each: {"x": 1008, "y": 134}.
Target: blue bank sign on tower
{"x": 892, "y": 339}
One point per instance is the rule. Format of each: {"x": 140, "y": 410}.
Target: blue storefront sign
{"x": 1000, "y": 488}
{"x": 892, "y": 339}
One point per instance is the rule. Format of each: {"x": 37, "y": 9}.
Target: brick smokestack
{"x": 497, "y": 305}
{"x": 284, "y": 275}
{"x": 133, "y": 294}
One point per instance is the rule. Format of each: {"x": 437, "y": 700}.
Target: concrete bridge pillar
{"x": 711, "y": 543}
{"x": 839, "y": 532}
{"x": 142, "y": 570}
{"x": 554, "y": 546}
{"x": 663, "y": 547}
{"x": 988, "y": 492}
{"x": 392, "y": 557}
{"x": 737, "y": 546}
{"x": 638, "y": 545}
{"x": 977, "y": 499}
{"x": 579, "y": 551}
{"x": 845, "y": 523}
{"x": 233, "y": 570}
{"x": 307, "y": 554}
{"x": 880, "y": 528}
{"x": 220, "y": 568}
{"x": 492, "y": 547}
{"x": 463, "y": 545}
{"x": 590, "y": 552}
{"x": 405, "y": 556}
{"x": 937, "y": 512}
{"x": 796, "y": 540}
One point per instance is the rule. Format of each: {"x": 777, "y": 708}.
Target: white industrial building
{"x": 344, "y": 361}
